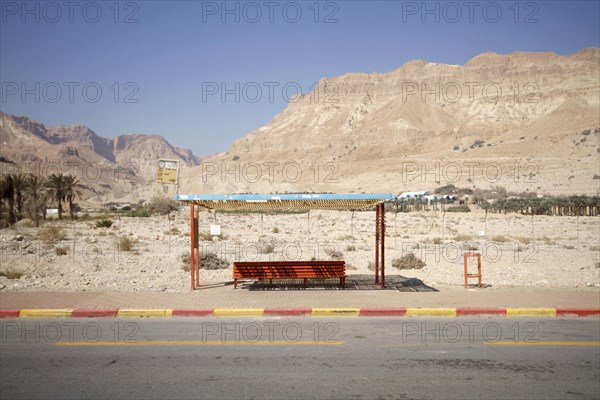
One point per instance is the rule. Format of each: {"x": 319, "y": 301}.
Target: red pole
{"x": 197, "y": 247}
{"x": 382, "y": 245}
{"x": 192, "y": 241}
{"x": 377, "y": 244}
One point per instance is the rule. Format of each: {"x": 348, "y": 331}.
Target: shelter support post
{"x": 194, "y": 246}
{"x": 197, "y": 234}
{"x": 382, "y": 241}
{"x": 377, "y": 244}
{"x": 380, "y": 244}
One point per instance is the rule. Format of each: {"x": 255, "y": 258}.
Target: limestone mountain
{"x": 526, "y": 121}
{"x": 111, "y": 168}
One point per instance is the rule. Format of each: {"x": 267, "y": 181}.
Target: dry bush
{"x": 266, "y": 248}
{"x": 52, "y": 233}
{"x": 205, "y": 236}
{"x": 351, "y": 247}
{"x": 275, "y": 230}
{"x": 500, "y": 239}
{"x": 11, "y": 274}
{"x": 207, "y": 261}
{"x": 161, "y": 205}
{"x": 437, "y": 240}
{"x": 462, "y": 238}
{"x": 125, "y": 244}
{"x": 61, "y": 251}
{"x": 409, "y": 261}
{"x": 334, "y": 253}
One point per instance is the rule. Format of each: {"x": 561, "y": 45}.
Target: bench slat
{"x": 289, "y": 270}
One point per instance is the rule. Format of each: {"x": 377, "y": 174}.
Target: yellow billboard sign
{"x": 167, "y": 171}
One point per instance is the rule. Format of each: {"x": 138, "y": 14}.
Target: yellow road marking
{"x": 431, "y": 312}
{"x": 46, "y": 313}
{"x": 547, "y": 343}
{"x": 531, "y": 312}
{"x": 197, "y": 342}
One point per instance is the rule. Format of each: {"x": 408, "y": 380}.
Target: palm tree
{"x": 37, "y": 197}
{"x": 20, "y": 185}
{"x": 70, "y": 191}
{"x": 55, "y": 184}
{"x": 8, "y": 194}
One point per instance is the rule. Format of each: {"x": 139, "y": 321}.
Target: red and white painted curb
{"x": 315, "y": 312}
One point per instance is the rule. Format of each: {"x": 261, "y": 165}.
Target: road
{"x": 289, "y": 358}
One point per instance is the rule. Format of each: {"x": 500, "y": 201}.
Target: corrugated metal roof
{"x": 285, "y": 202}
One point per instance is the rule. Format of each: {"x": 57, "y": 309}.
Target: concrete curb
{"x": 314, "y": 312}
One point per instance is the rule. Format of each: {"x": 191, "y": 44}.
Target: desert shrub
{"x": 125, "y": 243}
{"x": 456, "y": 147}
{"x": 462, "y": 238}
{"x": 11, "y": 274}
{"x": 569, "y": 247}
{"x": 500, "y": 239}
{"x": 586, "y": 132}
{"x": 334, "y": 253}
{"x": 437, "y": 240}
{"x": 52, "y": 233}
{"x": 161, "y": 205}
{"x": 461, "y": 208}
{"x": 104, "y": 223}
{"x": 409, "y": 261}
{"x": 138, "y": 213}
{"x": 61, "y": 251}
{"x": 477, "y": 143}
{"x": 275, "y": 230}
{"x": 351, "y": 247}
{"x": 266, "y": 248}
{"x": 208, "y": 261}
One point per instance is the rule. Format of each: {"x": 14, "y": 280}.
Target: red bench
{"x": 289, "y": 270}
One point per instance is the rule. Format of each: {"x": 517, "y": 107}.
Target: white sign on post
{"x": 215, "y": 230}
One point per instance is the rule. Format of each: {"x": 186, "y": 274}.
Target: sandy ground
{"x": 564, "y": 252}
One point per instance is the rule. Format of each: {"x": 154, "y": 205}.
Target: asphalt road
{"x": 289, "y": 358}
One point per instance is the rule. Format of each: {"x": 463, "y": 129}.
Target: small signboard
{"x": 215, "y": 230}
{"x": 167, "y": 171}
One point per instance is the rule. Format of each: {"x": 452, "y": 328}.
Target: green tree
{"x": 55, "y": 187}
{"x": 36, "y": 197}
{"x": 20, "y": 185}
{"x": 70, "y": 184}
{"x": 8, "y": 195}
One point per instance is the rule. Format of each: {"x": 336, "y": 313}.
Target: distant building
{"x": 432, "y": 198}
{"x": 412, "y": 195}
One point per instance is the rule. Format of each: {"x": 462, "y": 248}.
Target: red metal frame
{"x": 466, "y": 256}
{"x": 379, "y": 246}
{"x": 194, "y": 246}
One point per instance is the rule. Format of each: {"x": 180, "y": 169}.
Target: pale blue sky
{"x": 170, "y": 53}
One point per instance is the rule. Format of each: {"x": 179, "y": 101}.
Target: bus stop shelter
{"x": 286, "y": 202}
